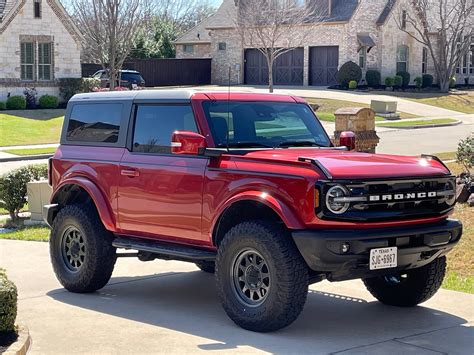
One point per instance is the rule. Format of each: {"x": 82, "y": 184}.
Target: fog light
{"x": 345, "y": 247}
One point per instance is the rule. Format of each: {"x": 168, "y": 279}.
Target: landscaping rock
{"x": 470, "y": 201}
{"x": 462, "y": 193}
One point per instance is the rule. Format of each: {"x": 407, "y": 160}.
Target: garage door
{"x": 288, "y": 68}
{"x": 323, "y": 64}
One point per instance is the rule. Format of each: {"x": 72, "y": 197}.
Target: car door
{"x": 160, "y": 194}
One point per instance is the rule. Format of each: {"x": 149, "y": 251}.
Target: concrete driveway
{"x": 171, "y": 307}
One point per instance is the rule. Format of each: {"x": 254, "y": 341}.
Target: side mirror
{"x": 348, "y": 139}
{"x": 184, "y": 142}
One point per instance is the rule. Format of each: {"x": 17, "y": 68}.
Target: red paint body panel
{"x": 180, "y": 197}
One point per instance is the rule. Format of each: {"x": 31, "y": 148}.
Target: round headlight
{"x": 333, "y": 199}
{"x": 451, "y": 198}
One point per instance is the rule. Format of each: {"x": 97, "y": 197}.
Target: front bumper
{"x": 49, "y": 212}
{"x": 417, "y": 246}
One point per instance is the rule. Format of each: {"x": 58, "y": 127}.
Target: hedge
{"x": 48, "y": 101}
{"x": 16, "y": 103}
{"x": 406, "y": 78}
{"x": 3, "y": 106}
{"x": 373, "y": 78}
{"x": 13, "y": 190}
{"x": 349, "y": 71}
{"x": 68, "y": 87}
{"x": 8, "y": 304}
{"x": 427, "y": 80}
{"x": 398, "y": 81}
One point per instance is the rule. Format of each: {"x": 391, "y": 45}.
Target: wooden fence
{"x": 165, "y": 72}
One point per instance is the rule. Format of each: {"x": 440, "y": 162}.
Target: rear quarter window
{"x": 95, "y": 123}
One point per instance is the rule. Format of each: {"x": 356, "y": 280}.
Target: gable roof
{"x": 386, "y": 11}
{"x": 196, "y": 35}
{"x": 342, "y": 10}
{"x": 11, "y": 8}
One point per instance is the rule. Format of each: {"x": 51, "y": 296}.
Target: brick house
{"x": 39, "y": 44}
{"x": 363, "y": 31}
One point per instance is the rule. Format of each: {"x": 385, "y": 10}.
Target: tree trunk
{"x": 270, "y": 78}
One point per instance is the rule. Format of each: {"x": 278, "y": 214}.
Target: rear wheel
{"x": 262, "y": 279}
{"x": 409, "y": 288}
{"x": 81, "y": 249}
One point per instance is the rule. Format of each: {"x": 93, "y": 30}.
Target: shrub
{"x": 389, "y": 81}
{"x": 427, "y": 80}
{"x": 13, "y": 191}
{"x": 3, "y": 106}
{"x": 348, "y": 72}
{"x": 88, "y": 84}
{"x": 398, "y": 81}
{"x": 352, "y": 84}
{"x": 31, "y": 96}
{"x": 373, "y": 78}
{"x": 48, "y": 101}
{"x": 465, "y": 153}
{"x": 419, "y": 82}
{"x": 452, "y": 82}
{"x": 16, "y": 103}
{"x": 68, "y": 87}
{"x": 406, "y": 78}
{"x": 8, "y": 304}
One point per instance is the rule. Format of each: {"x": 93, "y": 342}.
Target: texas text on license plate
{"x": 383, "y": 258}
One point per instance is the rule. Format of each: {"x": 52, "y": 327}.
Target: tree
{"x": 109, "y": 28}
{"x": 171, "y": 19}
{"x": 275, "y": 27}
{"x": 444, "y": 27}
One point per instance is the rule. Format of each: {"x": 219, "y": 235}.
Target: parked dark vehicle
{"x": 248, "y": 186}
{"x": 128, "y": 79}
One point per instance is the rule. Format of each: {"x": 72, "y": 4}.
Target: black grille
{"x": 393, "y": 200}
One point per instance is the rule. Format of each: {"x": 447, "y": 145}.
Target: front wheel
{"x": 206, "y": 266}
{"x": 409, "y": 288}
{"x": 262, "y": 280}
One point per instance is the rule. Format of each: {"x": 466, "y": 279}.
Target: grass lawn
{"x": 460, "y": 103}
{"x": 416, "y": 123}
{"x": 446, "y": 155}
{"x": 36, "y": 234}
{"x": 30, "y": 127}
{"x": 34, "y": 151}
{"x": 327, "y": 107}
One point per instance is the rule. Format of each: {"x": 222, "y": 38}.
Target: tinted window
{"x": 154, "y": 126}
{"x": 263, "y": 124}
{"x": 95, "y": 123}
{"x": 131, "y": 77}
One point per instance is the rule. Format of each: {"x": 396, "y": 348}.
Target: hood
{"x": 354, "y": 165}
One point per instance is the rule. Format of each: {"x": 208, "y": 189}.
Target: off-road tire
{"x": 287, "y": 269}
{"x": 207, "y": 266}
{"x": 100, "y": 255}
{"x": 419, "y": 286}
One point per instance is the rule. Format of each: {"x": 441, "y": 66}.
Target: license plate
{"x": 383, "y": 258}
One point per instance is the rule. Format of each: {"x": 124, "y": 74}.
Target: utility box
{"x": 39, "y": 194}
{"x": 361, "y": 121}
{"x": 384, "y": 106}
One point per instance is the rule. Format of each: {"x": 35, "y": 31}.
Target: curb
{"x": 22, "y": 344}
{"x": 26, "y": 157}
{"x": 434, "y": 125}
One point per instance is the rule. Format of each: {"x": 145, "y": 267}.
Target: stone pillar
{"x": 361, "y": 121}
{"x": 306, "y": 66}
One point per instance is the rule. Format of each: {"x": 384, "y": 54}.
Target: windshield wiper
{"x": 245, "y": 145}
{"x": 287, "y": 144}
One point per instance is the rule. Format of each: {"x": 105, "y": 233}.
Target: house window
{"x": 471, "y": 66}
{"x": 362, "y": 57}
{"x": 424, "y": 61}
{"x": 37, "y": 8}
{"x": 188, "y": 48}
{"x": 402, "y": 58}
{"x": 222, "y": 46}
{"x": 44, "y": 61}
{"x": 404, "y": 20}
{"x": 27, "y": 60}
{"x": 465, "y": 62}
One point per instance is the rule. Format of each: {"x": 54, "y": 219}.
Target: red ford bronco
{"x": 248, "y": 186}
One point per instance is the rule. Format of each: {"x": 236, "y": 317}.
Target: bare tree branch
{"x": 275, "y": 27}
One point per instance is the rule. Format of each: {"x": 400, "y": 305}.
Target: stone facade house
{"x": 39, "y": 44}
{"x": 363, "y": 31}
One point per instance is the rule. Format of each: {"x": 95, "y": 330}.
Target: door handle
{"x": 130, "y": 172}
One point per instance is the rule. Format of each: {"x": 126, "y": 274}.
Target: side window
{"x": 95, "y": 123}
{"x": 155, "y": 124}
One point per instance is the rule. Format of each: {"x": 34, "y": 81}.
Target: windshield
{"x": 264, "y": 124}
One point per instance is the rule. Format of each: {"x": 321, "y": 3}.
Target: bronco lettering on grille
{"x": 405, "y": 196}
